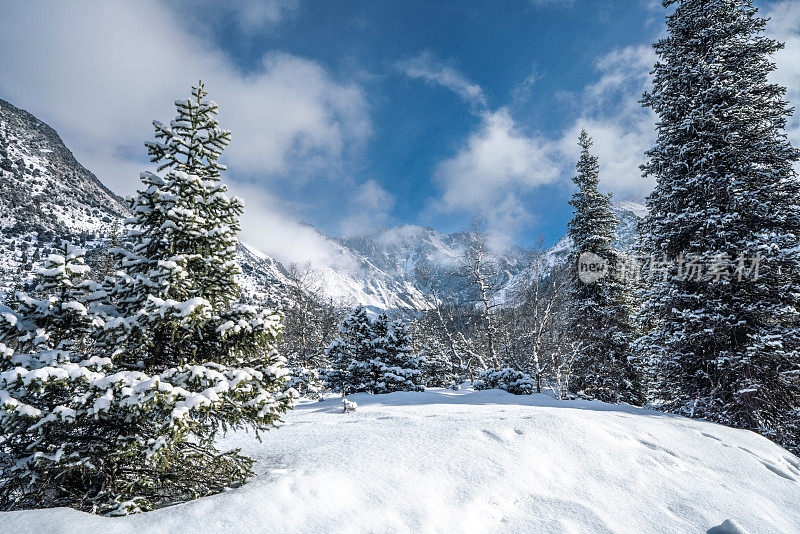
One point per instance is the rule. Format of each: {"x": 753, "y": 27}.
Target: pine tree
{"x": 726, "y": 344}
{"x": 178, "y": 295}
{"x": 599, "y": 312}
{"x": 396, "y": 367}
{"x": 349, "y": 355}
{"x": 174, "y": 358}
{"x": 49, "y": 397}
{"x": 438, "y": 370}
{"x": 373, "y": 356}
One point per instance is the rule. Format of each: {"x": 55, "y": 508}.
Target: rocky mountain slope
{"x": 42, "y": 187}
{"x": 628, "y": 214}
{"x": 46, "y": 196}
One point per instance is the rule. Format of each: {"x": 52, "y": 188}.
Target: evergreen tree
{"x": 438, "y": 370}
{"x": 396, "y": 367}
{"x": 49, "y": 399}
{"x": 173, "y": 359}
{"x": 107, "y": 263}
{"x": 508, "y": 379}
{"x": 178, "y": 315}
{"x": 349, "y": 355}
{"x": 725, "y": 340}
{"x": 599, "y": 312}
{"x": 373, "y": 356}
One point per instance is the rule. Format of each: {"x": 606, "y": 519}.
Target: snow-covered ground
{"x": 488, "y": 461}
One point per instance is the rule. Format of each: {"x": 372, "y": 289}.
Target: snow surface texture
{"x": 486, "y": 461}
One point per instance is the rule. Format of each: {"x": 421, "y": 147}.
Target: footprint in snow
{"x": 793, "y": 462}
{"x": 492, "y": 435}
{"x": 777, "y": 470}
{"x": 789, "y": 472}
{"x": 655, "y": 447}
{"x": 504, "y": 436}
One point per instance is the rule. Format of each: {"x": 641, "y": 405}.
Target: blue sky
{"x": 352, "y": 114}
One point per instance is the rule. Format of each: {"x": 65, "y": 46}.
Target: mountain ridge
{"x": 42, "y": 186}
{"x": 382, "y": 263}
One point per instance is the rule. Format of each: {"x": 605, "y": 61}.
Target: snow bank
{"x": 486, "y": 461}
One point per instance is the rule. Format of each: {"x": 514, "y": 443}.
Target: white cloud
{"x": 495, "y": 158}
{"x": 522, "y": 91}
{"x": 432, "y": 70}
{"x": 101, "y": 71}
{"x": 269, "y": 228}
{"x": 252, "y": 15}
{"x": 495, "y": 165}
{"x": 369, "y": 207}
{"x": 621, "y": 128}
{"x": 499, "y": 164}
{"x": 249, "y": 16}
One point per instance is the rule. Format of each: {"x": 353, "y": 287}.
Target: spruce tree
{"x": 174, "y": 357}
{"x": 179, "y": 297}
{"x": 396, "y": 367}
{"x": 599, "y": 312}
{"x": 349, "y": 355}
{"x": 725, "y": 341}
{"x": 373, "y": 356}
{"x": 49, "y": 401}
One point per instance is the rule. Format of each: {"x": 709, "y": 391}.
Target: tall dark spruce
{"x": 723, "y": 327}
{"x": 600, "y": 319}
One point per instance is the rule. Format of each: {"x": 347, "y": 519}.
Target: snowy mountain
{"x": 377, "y": 268}
{"x": 42, "y": 187}
{"x": 400, "y": 251}
{"x": 359, "y": 283}
{"x": 628, "y": 214}
{"x": 46, "y": 195}
{"x": 485, "y": 461}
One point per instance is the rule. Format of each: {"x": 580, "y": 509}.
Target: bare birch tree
{"x": 479, "y": 268}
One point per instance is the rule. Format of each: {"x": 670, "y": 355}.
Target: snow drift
{"x": 486, "y": 461}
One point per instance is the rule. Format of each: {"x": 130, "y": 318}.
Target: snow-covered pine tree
{"x": 726, "y": 347}
{"x": 599, "y": 312}
{"x": 373, "y": 356}
{"x": 350, "y": 355}
{"x": 395, "y": 366}
{"x": 195, "y": 359}
{"x": 50, "y": 434}
{"x": 438, "y": 370}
